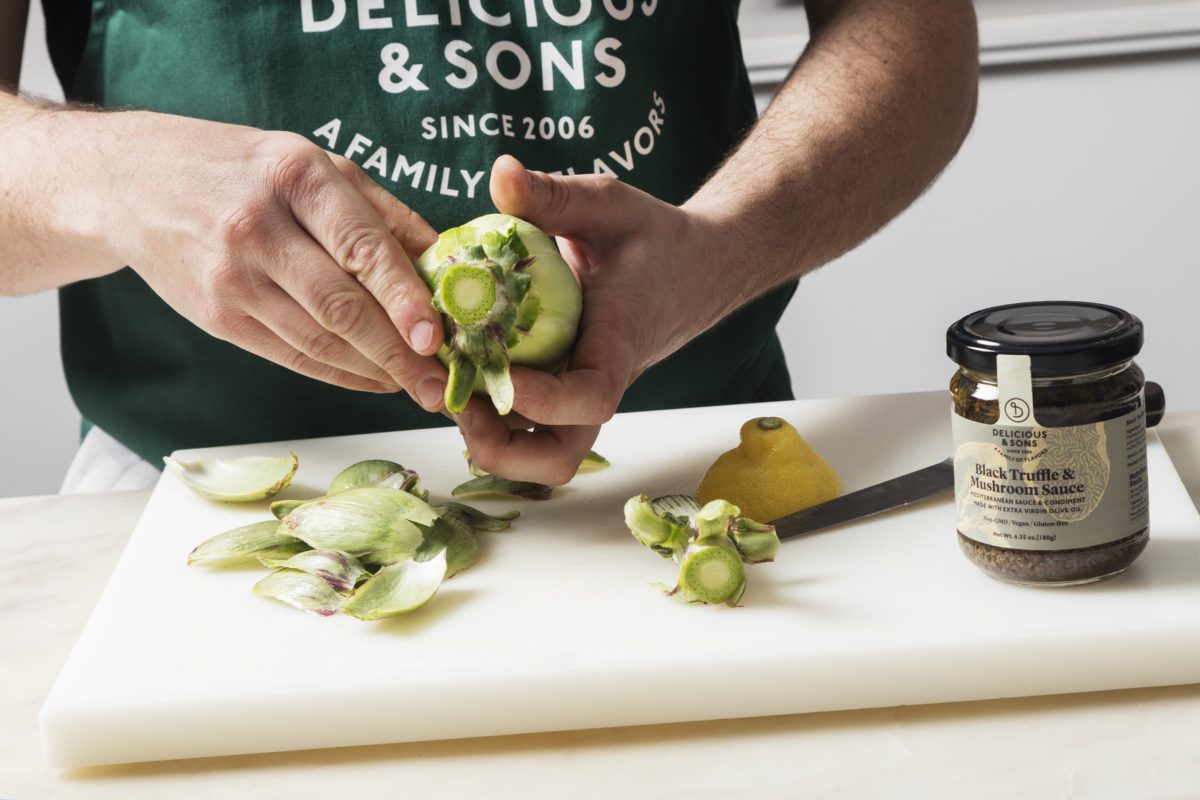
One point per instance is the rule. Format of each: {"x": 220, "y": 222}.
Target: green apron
{"x": 423, "y": 94}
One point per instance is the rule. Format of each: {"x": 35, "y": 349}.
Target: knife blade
{"x": 898, "y": 492}
{"x": 927, "y": 482}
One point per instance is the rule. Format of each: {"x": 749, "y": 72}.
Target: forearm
{"x": 878, "y": 104}
{"x": 51, "y": 171}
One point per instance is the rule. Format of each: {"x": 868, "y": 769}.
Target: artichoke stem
{"x": 756, "y": 542}
{"x": 714, "y": 521}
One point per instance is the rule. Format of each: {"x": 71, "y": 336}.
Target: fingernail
{"x": 429, "y": 393}
{"x": 420, "y": 335}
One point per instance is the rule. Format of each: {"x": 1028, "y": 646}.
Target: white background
{"x": 1080, "y": 180}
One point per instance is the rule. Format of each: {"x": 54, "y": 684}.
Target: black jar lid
{"x": 1060, "y": 337}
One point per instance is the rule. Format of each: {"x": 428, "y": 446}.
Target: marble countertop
{"x": 57, "y": 552}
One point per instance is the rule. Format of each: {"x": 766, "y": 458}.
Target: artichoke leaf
{"x": 363, "y": 473}
{"x": 247, "y": 543}
{"x": 341, "y": 571}
{"x": 375, "y": 524}
{"x": 453, "y": 535}
{"x": 397, "y": 589}
{"x": 302, "y": 590}
{"x": 236, "y": 480}
{"x": 492, "y": 485}
{"x": 479, "y": 520}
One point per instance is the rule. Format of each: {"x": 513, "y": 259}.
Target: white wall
{"x": 1080, "y": 180}
{"x": 39, "y": 426}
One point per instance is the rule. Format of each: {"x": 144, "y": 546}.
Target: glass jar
{"x": 1049, "y": 429}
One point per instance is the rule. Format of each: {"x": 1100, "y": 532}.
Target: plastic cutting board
{"x": 556, "y": 627}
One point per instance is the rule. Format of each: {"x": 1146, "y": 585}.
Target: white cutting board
{"x": 556, "y": 628}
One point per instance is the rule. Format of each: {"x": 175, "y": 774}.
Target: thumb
{"x": 561, "y": 205}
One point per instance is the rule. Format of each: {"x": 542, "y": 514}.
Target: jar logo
{"x": 1017, "y": 409}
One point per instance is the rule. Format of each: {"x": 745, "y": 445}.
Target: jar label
{"x": 1023, "y": 486}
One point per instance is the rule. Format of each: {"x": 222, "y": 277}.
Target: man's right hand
{"x": 260, "y": 238}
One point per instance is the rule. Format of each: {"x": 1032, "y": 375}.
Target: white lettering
{"x": 445, "y": 188}
{"x": 656, "y": 121}
{"x": 455, "y": 13}
{"x": 491, "y": 19}
{"x": 310, "y": 24}
{"x": 464, "y": 126}
{"x": 472, "y": 180}
{"x": 415, "y": 18}
{"x": 493, "y": 130}
{"x": 643, "y": 149}
{"x": 524, "y": 67}
{"x": 377, "y": 162}
{"x": 429, "y": 129}
{"x": 454, "y": 57}
{"x": 568, "y": 20}
{"x": 627, "y": 161}
{"x": 552, "y": 59}
{"x": 622, "y": 15}
{"x": 403, "y": 167}
{"x": 329, "y": 132}
{"x": 603, "y": 52}
{"x": 531, "y": 13}
{"x": 430, "y": 177}
{"x": 366, "y": 22}
{"x": 358, "y": 146}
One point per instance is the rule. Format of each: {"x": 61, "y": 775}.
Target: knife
{"x": 931, "y": 481}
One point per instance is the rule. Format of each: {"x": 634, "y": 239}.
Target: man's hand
{"x": 259, "y": 238}
{"x": 636, "y": 258}
{"x": 878, "y": 104}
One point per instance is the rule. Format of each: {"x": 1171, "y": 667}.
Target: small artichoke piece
{"x": 710, "y": 543}
{"x": 758, "y": 543}
{"x": 492, "y": 485}
{"x": 246, "y": 543}
{"x": 235, "y": 480}
{"x": 664, "y": 533}
{"x": 397, "y": 589}
{"x": 363, "y": 473}
{"x": 341, "y": 571}
{"x": 592, "y": 462}
{"x": 375, "y": 524}
{"x": 714, "y": 521}
{"x": 712, "y": 574}
{"x": 302, "y": 590}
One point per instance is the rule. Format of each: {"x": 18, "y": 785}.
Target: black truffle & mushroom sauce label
{"x": 1024, "y": 486}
